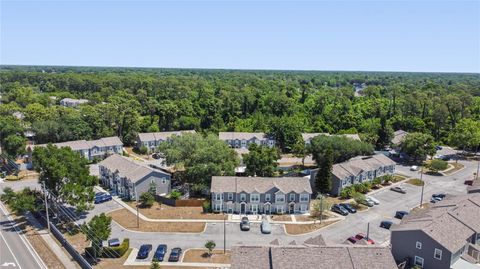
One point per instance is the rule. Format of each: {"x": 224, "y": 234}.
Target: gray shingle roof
{"x": 241, "y": 135}
{"x": 260, "y": 184}
{"x": 449, "y": 222}
{"x": 157, "y": 136}
{"x": 84, "y": 144}
{"x": 398, "y": 136}
{"x": 325, "y": 257}
{"x": 355, "y": 166}
{"x": 309, "y": 136}
{"x": 126, "y": 167}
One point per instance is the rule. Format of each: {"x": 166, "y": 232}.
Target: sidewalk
{"x": 51, "y": 242}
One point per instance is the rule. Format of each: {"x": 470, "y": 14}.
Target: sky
{"x": 424, "y": 36}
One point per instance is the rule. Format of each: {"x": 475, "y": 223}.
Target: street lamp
{"x": 423, "y": 186}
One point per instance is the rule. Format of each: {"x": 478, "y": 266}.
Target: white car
{"x": 375, "y": 201}
{"x": 414, "y": 168}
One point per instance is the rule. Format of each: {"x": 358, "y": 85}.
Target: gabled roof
{"x": 127, "y": 167}
{"x": 309, "y": 136}
{"x": 260, "y": 184}
{"x": 450, "y": 222}
{"x": 84, "y": 144}
{"x": 161, "y": 136}
{"x": 241, "y": 136}
{"x": 357, "y": 165}
{"x": 398, "y": 136}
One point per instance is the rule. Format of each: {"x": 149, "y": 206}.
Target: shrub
{"x": 437, "y": 165}
{"x": 111, "y": 252}
{"x": 347, "y": 192}
{"x": 206, "y": 206}
{"x": 359, "y": 198}
{"x": 147, "y": 199}
{"x": 8, "y": 195}
{"x": 376, "y": 181}
{"x": 143, "y": 150}
{"x": 175, "y": 195}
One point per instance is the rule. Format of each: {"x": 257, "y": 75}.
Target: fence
{"x": 186, "y": 203}
{"x": 68, "y": 247}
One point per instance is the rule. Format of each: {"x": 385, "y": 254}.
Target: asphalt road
{"x": 15, "y": 251}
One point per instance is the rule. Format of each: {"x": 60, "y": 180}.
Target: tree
{"x": 466, "y": 134}
{"x": 359, "y": 198}
{"x": 147, "y": 199}
{"x": 347, "y": 192}
{"x": 210, "y": 245}
{"x": 343, "y": 148}
{"x": 261, "y": 160}
{"x": 155, "y": 264}
{"x": 14, "y": 145}
{"x": 300, "y": 150}
{"x": 385, "y": 134}
{"x": 437, "y": 165}
{"x": 8, "y": 195}
{"x": 97, "y": 230}
{"x": 286, "y": 131}
{"x": 319, "y": 207}
{"x": 323, "y": 180}
{"x": 12, "y": 140}
{"x": 66, "y": 175}
{"x": 22, "y": 201}
{"x": 200, "y": 158}
{"x": 418, "y": 145}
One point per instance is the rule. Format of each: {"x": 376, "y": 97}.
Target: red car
{"x": 352, "y": 239}
{"x": 361, "y": 236}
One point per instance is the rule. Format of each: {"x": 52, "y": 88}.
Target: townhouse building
{"x": 260, "y": 195}
{"x": 243, "y": 140}
{"x": 442, "y": 236}
{"x": 357, "y": 170}
{"x": 307, "y": 137}
{"x": 70, "y": 102}
{"x": 129, "y": 179}
{"x": 152, "y": 140}
{"x": 91, "y": 149}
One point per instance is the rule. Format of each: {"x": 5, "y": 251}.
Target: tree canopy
{"x": 343, "y": 148}
{"x": 418, "y": 145}
{"x": 261, "y": 160}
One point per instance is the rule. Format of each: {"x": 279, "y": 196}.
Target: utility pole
{"x": 46, "y": 205}
{"x": 138, "y": 221}
{"x": 368, "y": 231}
{"x": 224, "y": 234}
{"x": 423, "y": 186}
{"x": 478, "y": 163}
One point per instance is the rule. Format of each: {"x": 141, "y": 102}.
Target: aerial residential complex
{"x": 152, "y": 140}
{"x": 442, "y": 236}
{"x": 259, "y": 195}
{"x": 243, "y": 140}
{"x": 129, "y": 179}
{"x": 91, "y": 149}
{"x": 307, "y": 137}
{"x": 357, "y": 170}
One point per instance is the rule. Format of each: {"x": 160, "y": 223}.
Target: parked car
{"x": 468, "y": 182}
{"x": 361, "y": 236}
{"x": 414, "y": 168}
{"x": 339, "y": 209}
{"x": 399, "y": 189}
{"x": 160, "y": 253}
{"x": 374, "y": 200}
{"x": 352, "y": 239}
{"x": 367, "y": 202}
{"x": 114, "y": 242}
{"x": 437, "y": 197}
{"x": 101, "y": 197}
{"x": 386, "y": 224}
{"x": 265, "y": 227}
{"x": 438, "y": 147}
{"x": 144, "y": 251}
{"x": 156, "y": 156}
{"x": 348, "y": 207}
{"x": 175, "y": 255}
{"x": 245, "y": 224}
{"x": 400, "y": 214}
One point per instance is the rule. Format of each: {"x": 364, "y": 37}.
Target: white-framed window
{"x": 230, "y": 196}
{"x": 304, "y": 197}
{"x": 164, "y": 181}
{"x": 254, "y": 198}
{"x": 267, "y": 197}
{"x": 292, "y": 196}
{"x": 303, "y": 208}
{"x": 279, "y": 198}
{"x": 280, "y": 209}
{"x": 218, "y": 207}
{"x": 418, "y": 261}
{"x": 218, "y": 196}
{"x": 437, "y": 254}
{"x": 254, "y": 208}
{"x": 418, "y": 245}
{"x": 243, "y": 197}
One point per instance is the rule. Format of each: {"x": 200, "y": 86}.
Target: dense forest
{"x": 125, "y": 101}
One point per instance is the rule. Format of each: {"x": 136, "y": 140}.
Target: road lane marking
{"x": 10, "y": 249}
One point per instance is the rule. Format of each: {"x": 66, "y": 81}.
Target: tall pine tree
{"x": 323, "y": 180}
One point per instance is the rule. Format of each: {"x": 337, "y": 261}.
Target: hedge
{"x": 111, "y": 252}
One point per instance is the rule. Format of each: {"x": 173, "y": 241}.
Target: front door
{"x": 291, "y": 209}
{"x": 266, "y": 209}
{"x": 242, "y": 208}
{"x": 254, "y": 209}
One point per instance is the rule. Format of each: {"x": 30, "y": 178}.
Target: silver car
{"x": 265, "y": 227}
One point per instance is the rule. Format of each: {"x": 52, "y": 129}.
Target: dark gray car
{"x": 245, "y": 224}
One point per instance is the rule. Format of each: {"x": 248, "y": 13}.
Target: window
{"x": 419, "y": 261}
{"x": 292, "y": 196}
{"x": 279, "y": 209}
{"x": 279, "y": 198}
{"x": 437, "y": 254}
{"x": 230, "y": 196}
{"x": 303, "y": 208}
{"x": 254, "y": 198}
{"x": 218, "y": 196}
{"x": 267, "y": 197}
{"x": 304, "y": 197}
{"x": 164, "y": 181}
{"x": 243, "y": 197}
{"x": 418, "y": 245}
{"x": 218, "y": 207}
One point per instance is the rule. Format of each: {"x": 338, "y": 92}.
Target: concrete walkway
{"x": 64, "y": 258}
{"x": 132, "y": 261}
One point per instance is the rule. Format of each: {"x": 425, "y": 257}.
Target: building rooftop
{"x": 126, "y": 167}
{"x": 321, "y": 257}
{"x": 241, "y": 135}
{"x": 157, "y": 136}
{"x": 357, "y": 165}
{"x": 310, "y": 136}
{"x": 398, "y": 136}
{"x": 84, "y": 144}
{"x": 449, "y": 222}
{"x": 260, "y": 184}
